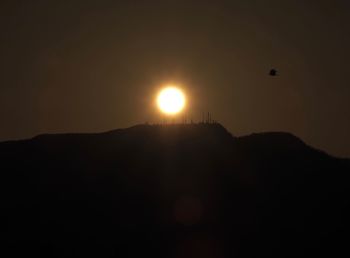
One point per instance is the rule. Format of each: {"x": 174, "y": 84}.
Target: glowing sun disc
{"x": 171, "y": 100}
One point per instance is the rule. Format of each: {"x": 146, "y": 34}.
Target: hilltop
{"x": 191, "y": 190}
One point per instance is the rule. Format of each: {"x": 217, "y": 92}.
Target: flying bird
{"x": 273, "y": 72}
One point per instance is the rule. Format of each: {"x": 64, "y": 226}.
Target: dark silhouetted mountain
{"x": 172, "y": 191}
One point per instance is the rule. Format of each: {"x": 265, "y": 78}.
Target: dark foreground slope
{"x": 172, "y": 191}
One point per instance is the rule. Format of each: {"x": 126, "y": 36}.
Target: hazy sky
{"x": 87, "y": 66}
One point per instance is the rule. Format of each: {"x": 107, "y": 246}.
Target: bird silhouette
{"x": 273, "y": 72}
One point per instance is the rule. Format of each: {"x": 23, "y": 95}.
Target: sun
{"x": 171, "y": 100}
